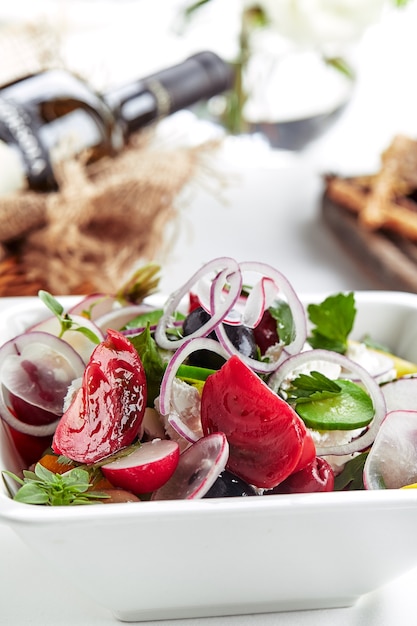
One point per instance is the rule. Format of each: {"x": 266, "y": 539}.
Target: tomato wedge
{"x": 107, "y": 411}
{"x": 267, "y": 439}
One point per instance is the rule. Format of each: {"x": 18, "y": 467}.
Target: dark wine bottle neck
{"x": 199, "y": 77}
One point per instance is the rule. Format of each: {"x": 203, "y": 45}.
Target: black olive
{"x": 241, "y": 336}
{"x": 228, "y": 485}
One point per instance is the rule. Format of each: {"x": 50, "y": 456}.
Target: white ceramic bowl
{"x": 177, "y": 559}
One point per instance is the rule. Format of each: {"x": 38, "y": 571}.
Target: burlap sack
{"x": 106, "y": 219}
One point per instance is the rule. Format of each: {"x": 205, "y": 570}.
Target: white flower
{"x": 320, "y": 22}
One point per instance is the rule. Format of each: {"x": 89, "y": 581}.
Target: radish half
{"x": 146, "y": 469}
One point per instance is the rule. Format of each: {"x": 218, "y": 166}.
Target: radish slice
{"x": 7, "y": 413}
{"x": 371, "y": 386}
{"x": 392, "y": 460}
{"x": 198, "y": 469}
{"x": 147, "y": 468}
{"x": 401, "y": 394}
{"x": 36, "y": 370}
{"x": 82, "y": 344}
{"x": 93, "y": 306}
{"x": 120, "y": 316}
{"x": 223, "y": 304}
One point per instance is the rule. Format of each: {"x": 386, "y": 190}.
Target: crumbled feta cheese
{"x": 379, "y": 365}
{"x": 335, "y": 438}
{"x": 185, "y": 406}
{"x": 72, "y": 390}
{"x": 274, "y": 352}
{"x": 331, "y": 370}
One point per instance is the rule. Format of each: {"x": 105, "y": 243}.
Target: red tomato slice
{"x": 316, "y": 476}
{"x": 265, "y": 435}
{"x": 107, "y": 411}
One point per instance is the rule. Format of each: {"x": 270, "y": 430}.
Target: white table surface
{"x": 269, "y": 212}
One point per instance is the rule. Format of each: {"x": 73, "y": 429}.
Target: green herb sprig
{"x": 65, "y": 320}
{"x": 325, "y": 404}
{"x": 315, "y": 386}
{"x": 44, "y": 487}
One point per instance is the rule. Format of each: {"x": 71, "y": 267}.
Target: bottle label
{"x": 18, "y": 126}
{"x": 162, "y": 97}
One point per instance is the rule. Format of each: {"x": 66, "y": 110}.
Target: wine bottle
{"x": 53, "y": 115}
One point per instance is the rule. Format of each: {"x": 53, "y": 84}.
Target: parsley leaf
{"x": 333, "y": 320}
{"x": 315, "y": 386}
{"x": 325, "y": 404}
{"x": 351, "y": 477}
{"x": 44, "y": 487}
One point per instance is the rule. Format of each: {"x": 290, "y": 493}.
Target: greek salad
{"x": 232, "y": 388}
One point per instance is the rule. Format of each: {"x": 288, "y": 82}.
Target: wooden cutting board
{"x": 390, "y": 261}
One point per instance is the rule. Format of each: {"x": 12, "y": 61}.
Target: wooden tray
{"x": 389, "y": 260}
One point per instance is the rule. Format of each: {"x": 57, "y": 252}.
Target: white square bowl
{"x": 178, "y": 559}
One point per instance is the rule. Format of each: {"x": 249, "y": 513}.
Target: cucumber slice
{"x": 348, "y": 410}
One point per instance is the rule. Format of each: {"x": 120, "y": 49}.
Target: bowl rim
{"x": 17, "y": 513}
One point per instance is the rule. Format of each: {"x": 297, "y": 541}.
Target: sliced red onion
{"x": 371, "y": 386}
{"x": 181, "y": 428}
{"x": 36, "y": 370}
{"x": 229, "y": 268}
{"x": 265, "y": 292}
{"x": 184, "y": 351}
{"x": 263, "y": 367}
{"x": 392, "y": 460}
{"x": 260, "y": 298}
{"x": 295, "y": 304}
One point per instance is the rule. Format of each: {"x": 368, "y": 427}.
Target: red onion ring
{"x": 371, "y": 386}
{"x": 231, "y": 270}
{"x": 186, "y": 348}
{"x": 264, "y": 367}
{"x": 260, "y": 298}
{"x": 182, "y": 429}
{"x": 297, "y": 310}
{"x": 294, "y": 302}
